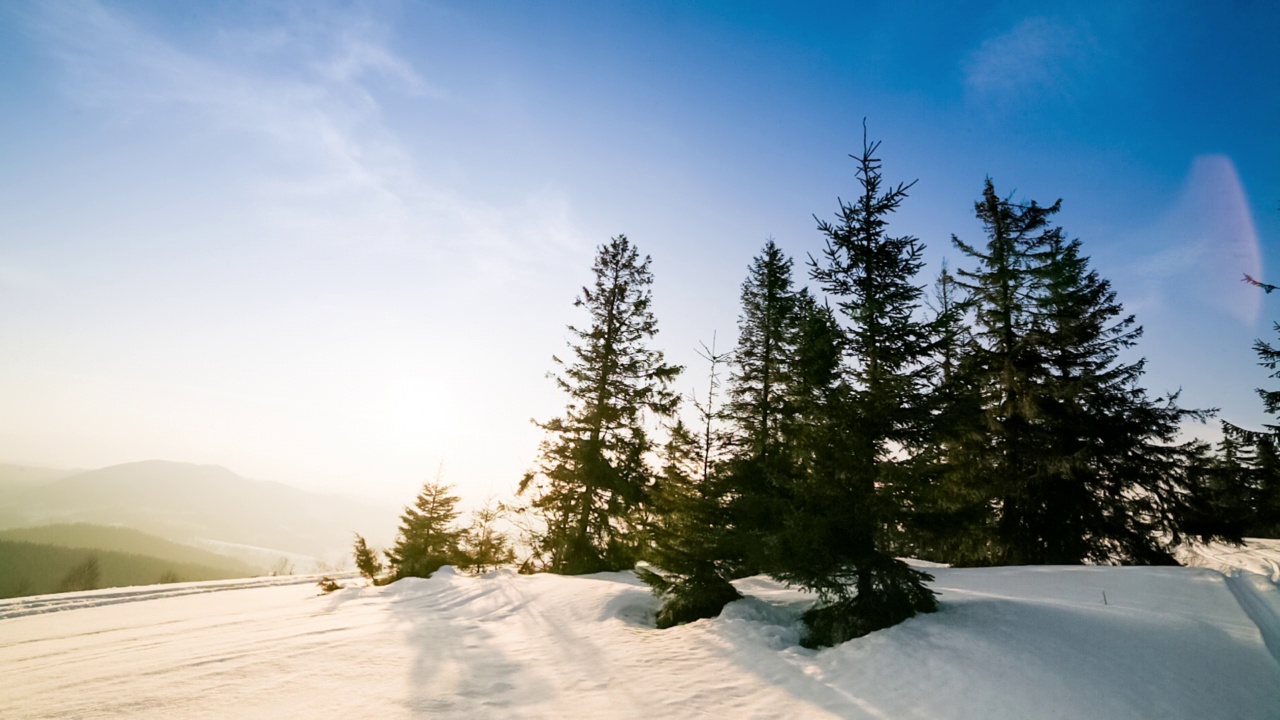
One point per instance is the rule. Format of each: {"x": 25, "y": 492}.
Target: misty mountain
{"x": 22, "y": 477}
{"x": 192, "y": 503}
{"x": 17, "y": 480}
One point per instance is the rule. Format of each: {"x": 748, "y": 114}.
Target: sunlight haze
{"x": 335, "y": 245}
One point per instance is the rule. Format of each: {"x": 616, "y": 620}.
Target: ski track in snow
{"x": 37, "y": 604}
{"x": 1260, "y": 600}
{"x": 1040, "y": 642}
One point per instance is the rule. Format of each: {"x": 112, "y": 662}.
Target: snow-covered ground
{"x": 1259, "y": 555}
{"x": 1041, "y": 642}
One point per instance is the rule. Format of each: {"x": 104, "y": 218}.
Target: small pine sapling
{"x": 367, "y": 561}
{"x": 484, "y": 546}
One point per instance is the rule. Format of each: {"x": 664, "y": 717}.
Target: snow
{"x": 1008, "y": 643}
{"x": 1259, "y": 555}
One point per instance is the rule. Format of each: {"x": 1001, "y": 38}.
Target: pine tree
{"x": 873, "y": 424}
{"x": 591, "y": 482}
{"x": 484, "y": 546}
{"x": 1067, "y": 459}
{"x": 714, "y": 441}
{"x": 951, "y": 335}
{"x": 936, "y": 520}
{"x": 427, "y": 539}
{"x": 1229, "y": 478}
{"x": 1252, "y": 489}
{"x": 689, "y": 536}
{"x": 1264, "y": 521}
{"x": 762, "y": 409}
{"x": 991, "y": 456}
{"x": 761, "y": 376}
{"x": 366, "y": 560}
{"x": 1119, "y": 488}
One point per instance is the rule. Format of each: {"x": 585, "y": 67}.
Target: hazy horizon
{"x": 335, "y": 246}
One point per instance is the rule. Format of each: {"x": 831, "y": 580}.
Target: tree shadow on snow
{"x": 459, "y": 666}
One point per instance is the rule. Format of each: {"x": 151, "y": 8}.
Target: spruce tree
{"x": 427, "y": 539}
{"x": 761, "y": 376}
{"x": 1118, "y": 486}
{"x": 991, "y": 453}
{"x": 366, "y": 560}
{"x": 762, "y": 407}
{"x": 871, "y": 424}
{"x": 689, "y": 536}
{"x": 484, "y": 546}
{"x": 1251, "y": 486}
{"x": 591, "y": 483}
{"x": 1066, "y": 459}
{"x": 1227, "y": 478}
{"x": 1264, "y": 521}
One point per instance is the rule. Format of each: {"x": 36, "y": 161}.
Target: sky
{"x": 336, "y": 244}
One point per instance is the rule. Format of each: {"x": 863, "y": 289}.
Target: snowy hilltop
{"x": 1013, "y": 642}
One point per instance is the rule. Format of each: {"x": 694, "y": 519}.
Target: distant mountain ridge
{"x": 25, "y": 476}
{"x": 186, "y": 502}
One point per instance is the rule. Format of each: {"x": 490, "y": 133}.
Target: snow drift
{"x": 1060, "y": 642}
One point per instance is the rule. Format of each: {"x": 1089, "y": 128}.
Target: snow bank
{"x": 1008, "y": 643}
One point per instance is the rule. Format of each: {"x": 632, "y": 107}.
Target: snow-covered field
{"x": 1042, "y": 642}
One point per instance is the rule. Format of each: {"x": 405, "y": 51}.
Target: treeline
{"x": 995, "y": 420}
{"x": 28, "y": 568}
{"x": 125, "y": 540}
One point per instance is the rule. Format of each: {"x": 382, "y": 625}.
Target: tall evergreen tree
{"x": 951, "y": 335}
{"x": 1118, "y": 486}
{"x": 427, "y": 539}
{"x": 762, "y": 407}
{"x": 873, "y": 421}
{"x": 591, "y": 482}
{"x": 761, "y": 377}
{"x": 1068, "y": 459}
{"x": 991, "y": 453}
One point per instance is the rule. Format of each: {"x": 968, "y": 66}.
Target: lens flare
{"x": 1213, "y": 215}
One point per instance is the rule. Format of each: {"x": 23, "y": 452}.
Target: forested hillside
{"x": 123, "y": 540}
{"x": 35, "y": 569}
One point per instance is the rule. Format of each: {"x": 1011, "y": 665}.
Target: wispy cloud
{"x": 311, "y": 92}
{"x": 1038, "y": 56}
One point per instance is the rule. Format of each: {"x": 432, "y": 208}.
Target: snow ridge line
{"x": 1262, "y": 611}
{"x": 22, "y": 607}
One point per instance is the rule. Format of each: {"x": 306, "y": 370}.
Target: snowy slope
{"x": 1259, "y": 555}
{"x": 1008, "y": 643}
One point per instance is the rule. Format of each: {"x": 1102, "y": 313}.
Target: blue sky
{"x": 336, "y": 244}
